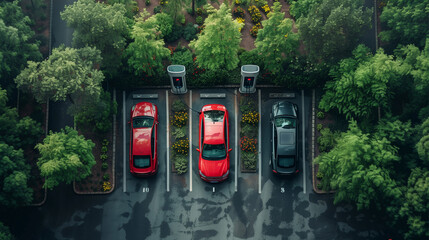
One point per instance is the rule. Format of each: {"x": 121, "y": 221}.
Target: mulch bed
{"x": 253, "y": 97}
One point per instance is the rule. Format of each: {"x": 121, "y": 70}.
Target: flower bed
{"x": 179, "y": 137}
{"x": 249, "y": 134}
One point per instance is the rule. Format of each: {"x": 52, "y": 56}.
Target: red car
{"x": 144, "y": 139}
{"x": 214, "y": 148}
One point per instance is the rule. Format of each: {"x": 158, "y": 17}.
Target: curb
{"x": 113, "y": 161}
{"x": 42, "y": 202}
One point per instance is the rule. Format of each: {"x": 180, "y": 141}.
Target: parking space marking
{"x": 236, "y": 139}
{"x": 168, "y": 140}
{"x": 190, "y": 140}
{"x": 303, "y": 141}
{"x": 124, "y": 143}
{"x": 260, "y": 143}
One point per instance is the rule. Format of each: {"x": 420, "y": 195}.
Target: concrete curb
{"x": 113, "y": 160}
{"x": 42, "y": 202}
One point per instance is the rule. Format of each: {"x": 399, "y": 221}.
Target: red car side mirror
{"x": 198, "y": 149}
{"x": 229, "y": 150}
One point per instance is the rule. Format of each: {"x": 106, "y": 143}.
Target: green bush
{"x": 250, "y": 57}
{"x": 327, "y": 140}
{"x": 181, "y": 19}
{"x": 103, "y": 157}
{"x": 183, "y": 57}
{"x": 175, "y": 34}
{"x": 104, "y": 149}
{"x": 320, "y": 115}
{"x": 319, "y": 175}
{"x": 249, "y": 131}
{"x": 106, "y": 177}
{"x": 181, "y": 164}
{"x": 189, "y": 32}
{"x": 147, "y": 2}
{"x": 247, "y": 105}
{"x": 104, "y": 166}
{"x": 260, "y": 3}
{"x": 179, "y": 106}
{"x": 249, "y": 160}
{"x": 105, "y": 142}
{"x": 157, "y": 10}
{"x": 319, "y": 127}
{"x": 164, "y": 23}
{"x": 199, "y": 20}
{"x": 179, "y": 132}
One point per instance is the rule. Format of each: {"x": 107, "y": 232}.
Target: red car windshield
{"x": 214, "y": 151}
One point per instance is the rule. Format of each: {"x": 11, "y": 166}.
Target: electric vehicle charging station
{"x": 249, "y": 73}
{"x": 177, "y": 78}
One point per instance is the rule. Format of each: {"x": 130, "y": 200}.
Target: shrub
{"x": 164, "y": 23}
{"x": 254, "y": 31}
{"x": 327, "y": 140}
{"x": 179, "y": 119}
{"x": 175, "y": 34}
{"x": 255, "y": 14}
{"x": 248, "y": 144}
{"x": 105, "y": 142}
{"x": 199, "y": 11}
{"x": 147, "y": 2}
{"x": 319, "y": 127}
{"x": 250, "y": 57}
{"x": 247, "y": 105}
{"x": 104, "y": 149}
{"x": 181, "y": 164}
{"x": 189, "y": 32}
{"x": 251, "y": 118}
{"x": 179, "y": 106}
{"x": 157, "y": 10}
{"x": 249, "y": 159}
{"x": 249, "y": 131}
{"x": 106, "y": 177}
{"x": 107, "y": 186}
{"x": 261, "y": 3}
{"x": 104, "y": 166}
{"x": 163, "y": 2}
{"x": 320, "y": 115}
{"x": 240, "y": 20}
{"x": 103, "y": 157}
{"x": 179, "y": 132}
{"x": 199, "y": 20}
{"x": 181, "y": 147}
{"x": 238, "y": 12}
{"x": 181, "y": 19}
{"x": 266, "y": 9}
{"x": 319, "y": 175}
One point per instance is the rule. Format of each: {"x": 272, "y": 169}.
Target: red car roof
{"x": 141, "y": 141}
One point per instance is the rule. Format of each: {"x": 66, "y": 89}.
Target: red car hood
{"x": 213, "y": 168}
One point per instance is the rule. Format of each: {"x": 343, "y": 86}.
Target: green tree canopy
{"x": 14, "y": 177}
{"x": 218, "y": 44}
{"x": 5, "y": 233}
{"x": 64, "y": 157}
{"x": 407, "y": 21}
{"x": 359, "y": 168}
{"x": 301, "y": 8}
{"x": 360, "y": 83}
{"x": 415, "y": 205}
{"x": 17, "y": 42}
{"x": 423, "y": 144}
{"x": 332, "y": 28}
{"x": 68, "y": 72}
{"x": 276, "y": 41}
{"x": 146, "y": 52}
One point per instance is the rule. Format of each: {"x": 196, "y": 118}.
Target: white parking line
{"x": 124, "y": 143}
{"x": 236, "y": 140}
{"x": 190, "y": 140}
{"x": 167, "y": 114}
{"x": 303, "y": 142}
{"x": 260, "y": 143}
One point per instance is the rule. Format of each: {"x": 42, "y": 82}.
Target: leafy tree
{"x": 68, "y": 72}
{"x": 64, "y": 157}
{"x": 359, "y": 168}
{"x": 332, "y": 28}
{"x": 415, "y": 207}
{"x": 5, "y": 233}
{"x": 164, "y": 23}
{"x": 360, "y": 83}
{"x": 175, "y": 8}
{"x": 407, "y": 21}
{"x": 131, "y": 6}
{"x": 301, "y": 8}
{"x": 97, "y": 115}
{"x": 147, "y": 51}
{"x": 423, "y": 144}
{"x": 218, "y": 44}
{"x": 276, "y": 41}
{"x": 16, "y": 132}
{"x": 17, "y": 41}
{"x": 13, "y": 177}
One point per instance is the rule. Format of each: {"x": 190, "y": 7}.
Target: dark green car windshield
{"x": 214, "y": 151}
{"x": 142, "y": 122}
{"x": 141, "y": 161}
{"x": 285, "y": 122}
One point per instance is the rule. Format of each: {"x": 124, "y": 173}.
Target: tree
{"x": 407, "y": 22}
{"x": 14, "y": 178}
{"x": 174, "y": 8}
{"x": 276, "y": 41}
{"x": 359, "y": 168}
{"x": 68, "y": 73}
{"x": 65, "y": 157}
{"x": 218, "y": 44}
{"x": 423, "y": 144}
{"x": 360, "y": 83}
{"x": 5, "y": 233}
{"x": 17, "y": 42}
{"x": 415, "y": 207}
{"x": 146, "y": 53}
{"x": 301, "y": 8}
{"x": 332, "y": 28}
